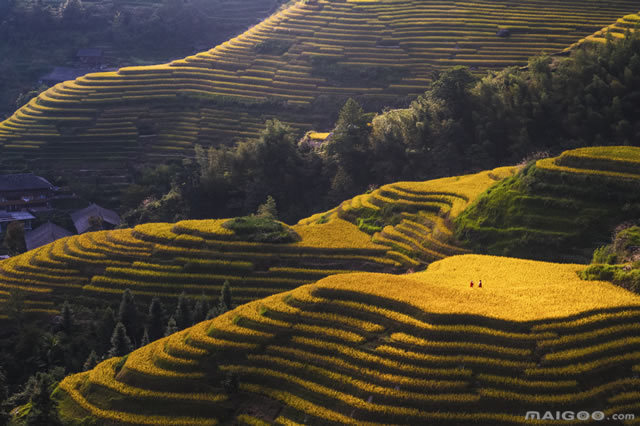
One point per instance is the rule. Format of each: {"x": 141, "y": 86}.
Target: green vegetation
{"x": 381, "y": 54}
{"x": 543, "y": 212}
{"x": 261, "y": 229}
{"x": 618, "y": 262}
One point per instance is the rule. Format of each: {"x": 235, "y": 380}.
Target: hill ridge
{"x": 326, "y": 352}
{"x": 286, "y": 63}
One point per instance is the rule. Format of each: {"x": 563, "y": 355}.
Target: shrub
{"x": 262, "y": 229}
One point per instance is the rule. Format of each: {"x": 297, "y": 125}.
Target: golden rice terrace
{"x": 373, "y": 348}
{"x": 198, "y": 256}
{"x": 296, "y": 65}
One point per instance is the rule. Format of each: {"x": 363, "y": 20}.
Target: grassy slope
{"x": 378, "y": 348}
{"x": 378, "y": 51}
{"x": 559, "y": 208}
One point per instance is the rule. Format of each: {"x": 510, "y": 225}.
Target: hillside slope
{"x": 379, "y": 349}
{"x": 558, "y": 208}
{"x": 617, "y": 30}
{"x": 298, "y": 65}
{"x": 198, "y": 256}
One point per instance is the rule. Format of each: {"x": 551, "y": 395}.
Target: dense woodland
{"x": 463, "y": 123}
{"x": 37, "y": 353}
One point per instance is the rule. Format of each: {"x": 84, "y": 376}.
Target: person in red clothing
{"x": 471, "y": 283}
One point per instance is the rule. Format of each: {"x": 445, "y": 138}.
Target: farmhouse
{"x": 44, "y": 234}
{"x": 82, "y": 219}
{"x": 90, "y": 56}
{"x": 7, "y": 217}
{"x": 25, "y": 191}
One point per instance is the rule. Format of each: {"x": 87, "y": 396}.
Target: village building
{"x": 7, "y": 217}
{"x": 44, "y": 234}
{"x": 90, "y": 56}
{"x": 25, "y": 191}
{"x": 83, "y": 219}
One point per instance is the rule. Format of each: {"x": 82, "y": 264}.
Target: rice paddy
{"x": 372, "y": 348}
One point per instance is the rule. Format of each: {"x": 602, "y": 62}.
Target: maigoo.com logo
{"x": 572, "y": 415}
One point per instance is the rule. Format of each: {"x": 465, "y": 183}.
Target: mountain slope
{"x": 197, "y": 256}
{"x": 375, "y": 348}
{"x": 558, "y": 208}
{"x": 298, "y": 65}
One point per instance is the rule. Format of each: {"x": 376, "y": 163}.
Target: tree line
{"x": 463, "y": 123}
{"x": 34, "y": 355}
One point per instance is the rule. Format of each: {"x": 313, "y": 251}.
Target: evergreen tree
{"x": 120, "y": 342}
{"x": 348, "y": 149}
{"x": 106, "y": 324}
{"x": 182, "y": 315}
{"x": 268, "y": 208}
{"x": 43, "y": 408}
{"x": 171, "y": 327}
{"x": 128, "y": 314}
{"x": 201, "y": 309}
{"x": 67, "y": 318}
{"x": 14, "y": 238}
{"x": 224, "y": 303}
{"x": 156, "y": 322}
{"x": 92, "y": 361}
{"x": 145, "y": 338}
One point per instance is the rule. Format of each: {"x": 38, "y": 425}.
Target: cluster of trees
{"x": 34, "y": 355}
{"x": 463, "y": 123}
{"x": 618, "y": 262}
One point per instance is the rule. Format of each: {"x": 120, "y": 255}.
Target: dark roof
{"x": 23, "y": 181}
{"x": 60, "y": 74}
{"x": 81, "y": 217}
{"x": 15, "y": 216}
{"x": 44, "y": 234}
{"x": 89, "y": 52}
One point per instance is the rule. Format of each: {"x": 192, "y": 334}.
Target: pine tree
{"x": 105, "y": 329}
{"x": 128, "y": 314}
{"x": 14, "y": 238}
{"x": 182, "y": 315}
{"x": 92, "y": 361}
{"x": 67, "y": 318}
{"x": 200, "y": 310}
{"x": 268, "y": 208}
{"x": 145, "y": 338}
{"x": 224, "y": 303}
{"x": 120, "y": 342}
{"x": 155, "y": 320}
{"x": 171, "y": 327}
{"x": 43, "y": 408}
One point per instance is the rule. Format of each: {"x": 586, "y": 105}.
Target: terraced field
{"x": 414, "y": 219}
{"x": 198, "y": 256}
{"x": 381, "y": 349}
{"x": 628, "y": 23}
{"x": 296, "y": 65}
{"x": 545, "y": 210}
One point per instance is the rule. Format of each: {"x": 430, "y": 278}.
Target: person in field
{"x": 480, "y": 284}
{"x": 471, "y": 284}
